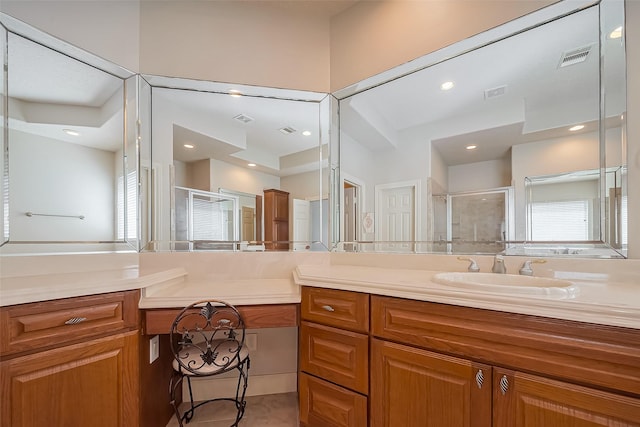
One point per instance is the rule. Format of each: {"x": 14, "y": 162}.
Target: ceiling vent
{"x": 243, "y": 118}
{"x": 287, "y": 130}
{"x": 574, "y": 56}
{"x": 495, "y": 92}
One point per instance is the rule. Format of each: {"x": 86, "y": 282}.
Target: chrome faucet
{"x": 473, "y": 266}
{"x": 526, "y": 269}
{"x": 498, "y": 265}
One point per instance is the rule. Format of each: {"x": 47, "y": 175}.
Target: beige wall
{"x": 374, "y": 36}
{"x": 250, "y": 42}
{"x": 109, "y": 29}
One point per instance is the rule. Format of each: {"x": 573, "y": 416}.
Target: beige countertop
{"x": 608, "y": 290}
{"x": 167, "y": 288}
{"x": 598, "y": 299}
{"x": 44, "y": 287}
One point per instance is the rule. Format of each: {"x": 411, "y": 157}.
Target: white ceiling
{"x": 207, "y": 121}
{"x": 49, "y": 92}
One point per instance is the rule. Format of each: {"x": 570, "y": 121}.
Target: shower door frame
{"x": 509, "y": 214}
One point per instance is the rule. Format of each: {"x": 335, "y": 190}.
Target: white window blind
{"x": 208, "y": 219}
{"x": 131, "y": 207}
{"x": 561, "y": 220}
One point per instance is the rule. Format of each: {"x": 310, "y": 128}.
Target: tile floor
{"x": 272, "y": 410}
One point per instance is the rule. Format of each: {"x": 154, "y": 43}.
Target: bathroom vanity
{"x": 72, "y": 361}
{"x": 368, "y": 359}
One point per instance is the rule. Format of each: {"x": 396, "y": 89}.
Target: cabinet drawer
{"x": 326, "y": 404}
{"x": 338, "y": 356}
{"x": 343, "y": 309}
{"x": 54, "y": 323}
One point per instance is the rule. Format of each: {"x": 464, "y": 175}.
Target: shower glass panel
{"x": 207, "y": 219}
{"x": 478, "y": 221}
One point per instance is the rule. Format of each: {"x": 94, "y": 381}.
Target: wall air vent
{"x": 287, "y": 130}
{"x": 243, "y": 118}
{"x": 574, "y": 56}
{"x": 495, "y": 92}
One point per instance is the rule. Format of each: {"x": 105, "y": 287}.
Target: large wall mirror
{"x": 511, "y": 141}
{"x": 235, "y": 168}
{"x": 69, "y": 169}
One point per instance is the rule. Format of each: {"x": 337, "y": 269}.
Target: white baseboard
{"x": 213, "y": 388}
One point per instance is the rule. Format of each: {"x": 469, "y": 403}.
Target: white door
{"x": 396, "y": 213}
{"x": 301, "y": 225}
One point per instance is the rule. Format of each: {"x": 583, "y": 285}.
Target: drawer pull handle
{"x": 479, "y": 378}
{"x": 75, "y": 320}
{"x": 328, "y": 308}
{"x": 504, "y": 384}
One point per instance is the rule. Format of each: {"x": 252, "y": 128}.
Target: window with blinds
{"x": 127, "y": 212}
{"x": 209, "y": 218}
{"x": 560, "y": 220}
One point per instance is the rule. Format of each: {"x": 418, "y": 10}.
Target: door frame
{"x": 360, "y": 199}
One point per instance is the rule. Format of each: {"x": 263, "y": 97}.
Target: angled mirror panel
{"x": 4, "y": 164}
{"x": 216, "y": 156}
{"x": 521, "y": 107}
{"x": 148, "y": 170}
{"x": 72, "y": 162}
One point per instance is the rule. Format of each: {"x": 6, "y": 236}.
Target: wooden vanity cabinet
{"x": 414, "y": 387}
{"x": 71, "y": 362}
{"x": 522, "y": 400}
{"x": 537, "y": 371}
{"x": 334, "y": 358}
{"x": 276, "y": 219}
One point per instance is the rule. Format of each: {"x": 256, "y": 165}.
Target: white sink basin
{"x": 509, "y": 284}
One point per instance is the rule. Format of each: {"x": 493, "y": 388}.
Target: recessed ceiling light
{"x": 71, "y": 132}
{"x": 251, "y": 165}
{"x": 235, "y": 93}
{"x": 306, "y": 133}
{"x": 576, "y": 127}
{"x": 446, "y": 85}
{"x": 616, "y": 34}
{"x": 188, "y": 145}
{"x": 471, "y": 147}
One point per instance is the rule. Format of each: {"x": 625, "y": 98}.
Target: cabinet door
{"x": 526, "y": 400}
{"x": 91, "y": 384}
{"x": 417, "y": 388}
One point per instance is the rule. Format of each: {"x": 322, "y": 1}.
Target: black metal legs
{"x": 239, "y": 400}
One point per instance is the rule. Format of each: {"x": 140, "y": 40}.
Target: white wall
{"x": 479, "y": 176}
{"x": 231, "y": 177}
{"x": 77, "y": 180}
{"x": 549, "y": 157}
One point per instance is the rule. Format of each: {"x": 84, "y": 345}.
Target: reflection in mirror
{"x": 237, "y": 168}
{"x": 72, "y": 181}
{"x": 422, "y": 153}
